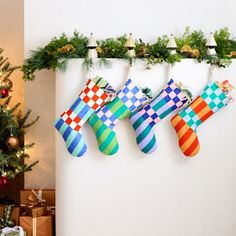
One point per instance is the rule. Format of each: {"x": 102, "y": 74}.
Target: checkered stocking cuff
{"x": 128, "y": 99}
{"x": 209, "y": 102}
{"x": 132, "y": 96}
{"x": 168, "y": 100}
{"x": 214, "y": 97}
{"x": 93, "y": 97}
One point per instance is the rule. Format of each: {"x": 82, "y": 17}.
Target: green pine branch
{"x": 59, "y": 50}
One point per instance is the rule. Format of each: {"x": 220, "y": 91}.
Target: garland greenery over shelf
{"x": 59, "y": 50}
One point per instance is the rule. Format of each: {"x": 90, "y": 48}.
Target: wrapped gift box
{"x": 15, "y": 213}
{"x": 37, "y": 226}
{"x": 36, "y": 211}
{"x": 44, "y": 216}
{"x": 48, "y": 195}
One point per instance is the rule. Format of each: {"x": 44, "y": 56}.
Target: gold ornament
{"x": 99, "y": 50}
{"x": 68, "y": 48}
{"x": 195, "y": 53}
{"x": 6, "y": 83}
{"x": 13, "y": 142}
{"x": 187, "y": 50}
{"x": 232, "y": 54}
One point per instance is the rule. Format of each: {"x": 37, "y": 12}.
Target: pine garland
{"x": 59, "y": 50}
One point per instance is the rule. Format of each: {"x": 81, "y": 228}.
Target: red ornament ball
{"x": 4, "y": 93}
{"x": 3, "y": 180}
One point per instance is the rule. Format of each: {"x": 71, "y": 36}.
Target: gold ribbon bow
{"x": 185, "y": 90}
{"x": 225, "y": 86}
{"x": 35, "y": 199}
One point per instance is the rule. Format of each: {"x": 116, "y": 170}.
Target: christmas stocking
{"x": 212, "y": 99}
{"x": 129, "y": 98}
{"x": 94, "y": 95}
{"x": 167, "y": 101}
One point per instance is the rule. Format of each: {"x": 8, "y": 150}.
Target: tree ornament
{"x": 172, "y": 45}
{"x": 92, "y": 45}
{"x": 6, "y": 84}
{"x": 3, "y": 180}
{"x": 4, "y": 93}
{"x": 211, "y": 45}
{"x": 130, "y": 45}
{"x": 13, "y": 141}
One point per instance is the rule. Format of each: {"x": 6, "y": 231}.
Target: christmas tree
{"x": 12, "y": 129}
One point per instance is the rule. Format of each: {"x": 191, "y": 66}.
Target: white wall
{"x": 160, "y": 194}
{"x": 176, "y": 196}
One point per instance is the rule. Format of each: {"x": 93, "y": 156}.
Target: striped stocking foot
{"x": 128, "y": 99}
{"x": 94, "y": 95}
{"x": 212, "y": 99}
{"x": 167, "y": 101}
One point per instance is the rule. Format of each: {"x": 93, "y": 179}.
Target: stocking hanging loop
{"x": 211, "y": 72}
{"x": 171, "y": 66}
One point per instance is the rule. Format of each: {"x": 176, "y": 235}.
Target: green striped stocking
{"x": 129, "y": 98}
